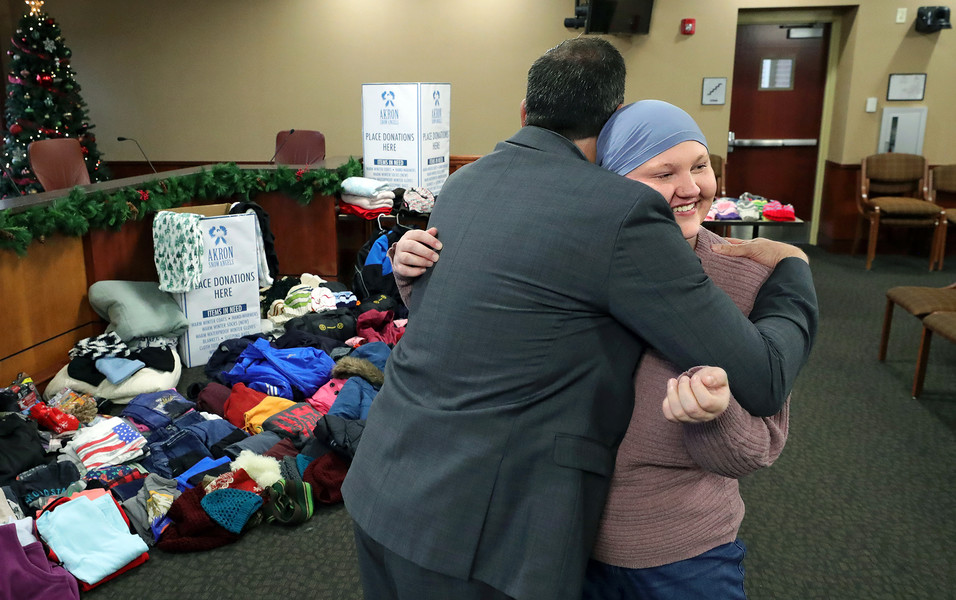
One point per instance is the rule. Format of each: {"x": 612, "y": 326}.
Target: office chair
{"x": 942, "y": 178}
{"x": 299, "y": 147}
{"x": 893, "y": 192}
{"x": 58, "y": 163}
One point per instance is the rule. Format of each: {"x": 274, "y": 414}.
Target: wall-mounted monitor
{"x": 618, "y": 16}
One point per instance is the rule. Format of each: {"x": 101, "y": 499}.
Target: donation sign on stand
{"x": 225, "y": 304}
{"x": 405, "y": 133}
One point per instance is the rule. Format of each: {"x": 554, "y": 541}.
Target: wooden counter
{"x": 44, "y": 293}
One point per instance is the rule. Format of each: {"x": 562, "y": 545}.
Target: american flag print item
{"x": 110, "y": 442}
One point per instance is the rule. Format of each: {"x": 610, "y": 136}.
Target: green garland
{"x": 81, "y": 211}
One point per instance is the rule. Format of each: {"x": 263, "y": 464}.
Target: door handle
{"x": 771, "y": 143}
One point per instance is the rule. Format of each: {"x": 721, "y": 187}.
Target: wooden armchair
{"x": 917, "y": 300}
{"x": 941, "y": 323}
{"x": 893, "y": 192}
{"x": 718, "y": 164}
{"x": 942, "y": 178}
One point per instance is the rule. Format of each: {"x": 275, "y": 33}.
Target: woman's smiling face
{"x": 682, "y": 174}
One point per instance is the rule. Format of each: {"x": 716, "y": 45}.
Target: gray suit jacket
{"x": 488, "y": 451}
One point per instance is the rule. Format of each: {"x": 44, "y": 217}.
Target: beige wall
{"x": 214, "y": 80}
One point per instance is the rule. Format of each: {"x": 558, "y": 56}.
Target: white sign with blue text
{"x": 225, "y": 304}
{"x": 405, "y": 133}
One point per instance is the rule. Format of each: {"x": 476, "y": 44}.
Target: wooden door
{"x": 775, "y": 112}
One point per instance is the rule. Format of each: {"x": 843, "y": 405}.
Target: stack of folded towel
{"x": 366, "y": 197}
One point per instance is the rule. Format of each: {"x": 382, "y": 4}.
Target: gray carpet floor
{"x": 861, "y": 504}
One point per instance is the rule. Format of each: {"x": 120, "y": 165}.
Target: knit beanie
{"x": 230, "y": 507}
{"x": 326, "y": 474}
{"x": 192, "y": 529}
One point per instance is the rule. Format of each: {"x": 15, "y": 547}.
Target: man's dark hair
{"x": 575, "y": 87}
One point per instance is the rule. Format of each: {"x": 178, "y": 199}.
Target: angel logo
{"x": 389, "y": 113}
{"x": 218, "y": 234}
{"x": 436, "y": 110}
{"x": 217, "y": 255}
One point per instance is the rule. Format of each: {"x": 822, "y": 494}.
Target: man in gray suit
{"x": 484, "y": 464}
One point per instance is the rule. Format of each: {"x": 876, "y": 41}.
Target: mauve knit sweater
{"x": 674, "y": 494}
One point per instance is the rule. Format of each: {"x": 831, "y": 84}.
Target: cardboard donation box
{"x": 405, "y": 133}
{"x": 225, "y": 305}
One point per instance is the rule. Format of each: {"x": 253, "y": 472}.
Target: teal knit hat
{"x": 231, "y": 507}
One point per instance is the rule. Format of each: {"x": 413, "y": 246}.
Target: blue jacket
{"x": 277, "y": 372}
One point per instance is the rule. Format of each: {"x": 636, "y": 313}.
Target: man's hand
{"x": 415, "y": 252}
{"x": 764, "y": 251}
{"x": 699, "y": 398}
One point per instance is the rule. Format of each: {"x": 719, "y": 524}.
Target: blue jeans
{"x": 717, "y": 573}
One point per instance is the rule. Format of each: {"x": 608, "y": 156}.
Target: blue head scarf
{"x": 638, "y": 132}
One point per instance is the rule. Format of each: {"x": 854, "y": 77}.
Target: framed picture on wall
{"x": 906, "y": 86}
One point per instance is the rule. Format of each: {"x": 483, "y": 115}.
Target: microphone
{"x": 281, "y": 146}
{"x": 126, "y": 139}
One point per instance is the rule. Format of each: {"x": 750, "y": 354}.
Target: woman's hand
{"x": 415, "y": 252}
{"x": 698, "y": 398}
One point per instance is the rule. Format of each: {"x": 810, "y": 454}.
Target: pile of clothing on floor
{"x": 89, "y": 486}
{"x": 749, "y": 207}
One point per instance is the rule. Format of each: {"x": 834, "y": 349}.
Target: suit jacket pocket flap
{"x": 582, "y": 453}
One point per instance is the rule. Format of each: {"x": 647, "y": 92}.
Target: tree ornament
{"x": 49, "y": 45}
{"x": 15, "y": 129}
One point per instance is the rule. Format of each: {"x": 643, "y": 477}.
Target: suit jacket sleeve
{"x": 656, "y": 288}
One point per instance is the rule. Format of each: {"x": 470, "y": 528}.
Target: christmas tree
{"x": 43, "y": 101}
